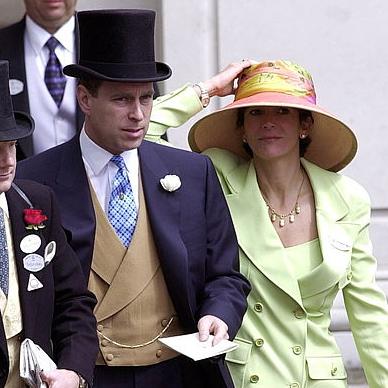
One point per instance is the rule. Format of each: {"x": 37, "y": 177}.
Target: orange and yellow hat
{"x": 277, "y": 83}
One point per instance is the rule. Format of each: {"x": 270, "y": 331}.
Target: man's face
{"x": 7, "y": 164}
{"x": 50, "y": 14}
{"x": 117, "y": 117}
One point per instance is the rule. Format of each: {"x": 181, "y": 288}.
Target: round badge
{"x": 15, "y": 86}
{"x": 30, "y": 243}
{"x": 33, "y": 262}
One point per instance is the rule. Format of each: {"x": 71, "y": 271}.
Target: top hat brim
{"x": 24, "y": 127}
{"x": 154, "y": 72}
{"x": 333, "y": 144}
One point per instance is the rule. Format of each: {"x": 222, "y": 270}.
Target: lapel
{"x": 28, "y": 300}
{"x": 106, "y": 240}
{"x": 15, "y": 207}
{"x": 164, "y": 214}
{"x": 17, "y": 71}
{"x": 335, "y": 238}
{"x": 255, "y": 233}
{"x": 336, "y": 235}
{"x": 119, "y": 293}
{"x": 80, "y": 118}
{"x": 72, "y": 190}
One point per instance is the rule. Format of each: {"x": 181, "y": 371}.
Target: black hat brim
{"x": 108, "y": 72}
{"x": 24, "y": 127}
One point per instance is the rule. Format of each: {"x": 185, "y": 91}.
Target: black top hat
{"x": 13, "y": 125}
{"x": 118, "y": 45}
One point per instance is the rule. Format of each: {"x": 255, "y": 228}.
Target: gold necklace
{"x": 274, "y": 215}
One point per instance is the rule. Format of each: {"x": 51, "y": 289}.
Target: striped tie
{"x": 53, "y": 76}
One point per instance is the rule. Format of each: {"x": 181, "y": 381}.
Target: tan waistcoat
{"x": 133, "y": 305}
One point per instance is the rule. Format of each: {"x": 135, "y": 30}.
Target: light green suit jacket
{"x": 285, "y": 339}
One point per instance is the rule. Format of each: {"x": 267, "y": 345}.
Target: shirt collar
{"x": 4, "y": 205}
{"x": 98, "y": 158}
{"x": 38, "y": 36}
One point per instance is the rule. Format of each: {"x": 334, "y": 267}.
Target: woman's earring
{"x": 303, "y": 135}
{"x": 244, "y": 140}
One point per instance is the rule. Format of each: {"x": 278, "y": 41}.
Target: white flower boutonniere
{"x": 171, "y": 182}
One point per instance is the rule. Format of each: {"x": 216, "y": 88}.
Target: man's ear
{"x": 84, "y": 99}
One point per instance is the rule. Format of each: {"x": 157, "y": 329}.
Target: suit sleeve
{"x": 74, "y": 338}
{"x": 225, "y": 290}
{"x": 366, "y": 304}
{"x": 172, "y": 110}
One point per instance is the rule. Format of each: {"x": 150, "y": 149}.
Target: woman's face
{"x": 272, "y": 132}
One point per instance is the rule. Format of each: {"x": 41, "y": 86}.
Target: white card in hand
{"x": 190, "y": 346}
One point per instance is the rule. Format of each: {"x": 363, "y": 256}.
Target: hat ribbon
{"x": 259, "y": 79}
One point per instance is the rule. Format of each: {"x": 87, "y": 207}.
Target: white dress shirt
{"x": 53, "y": 126}
{"x": 101, "y": 171}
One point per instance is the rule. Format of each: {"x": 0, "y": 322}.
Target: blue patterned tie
{"x": 4, "y": 268}
{"x": 122, "y": 211}
{"x": 53, "y": 76}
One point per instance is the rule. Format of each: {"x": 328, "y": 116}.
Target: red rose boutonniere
{"x": 34, "y": 219}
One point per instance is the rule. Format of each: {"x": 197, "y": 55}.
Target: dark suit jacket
{"x": 61, "y": 311}
{"x": 192, "y": 227}
{"x": 12, "y": 49}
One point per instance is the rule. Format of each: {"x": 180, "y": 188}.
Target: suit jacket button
{"x": 254, "y": 379}
{"x": 110, "y": 357}
{"x": 258, "y": 307}
{"x": 164, "y": 322}
{"x": 299, "y": 314}
{"x": 295, "y": 385}
{"x": 100, "y": 327}
{"x": 259, "y": 342}
{"x": 159, "y": 353}
{"x": 104, "y": 342}
{"x": 297, "y": 350}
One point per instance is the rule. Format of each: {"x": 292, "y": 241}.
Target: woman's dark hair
{"x": 303, "y": 143}
{"x": 304, "y": 115}
{"x": 91, "y": 84}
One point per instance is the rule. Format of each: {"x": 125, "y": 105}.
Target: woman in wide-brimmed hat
{"x": 302, "y": 231}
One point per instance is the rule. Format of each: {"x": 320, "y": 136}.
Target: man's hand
{"x": 209, "y": 324}
{"x": 61, "y": 378}
{"x": 222, "y": 84}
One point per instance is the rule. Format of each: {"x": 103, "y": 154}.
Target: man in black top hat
{"x": 43, "y": 294}
{"x": 148, "y": 222}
